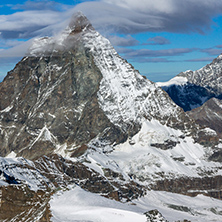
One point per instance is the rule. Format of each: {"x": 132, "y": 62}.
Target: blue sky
{"x": 160, "y": 38}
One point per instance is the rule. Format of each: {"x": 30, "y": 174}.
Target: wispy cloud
{"x": 17, "y": 51}
{"x": 40, "y": 5}
{"x": 147, "y": 15}
{"x": 7, "y": 43}
{"x": 153, "y": 60}
{"x": 24, "y": 24}
{"x": 115, "y": 16}
{"x": 158, "y": 40}
{"x": 45, "y": 17}
{"x": 212, "y": 51}
{"x": 123, "y": 41}
{"x": 158, "y": 53}
{"x": 205, "y": 59}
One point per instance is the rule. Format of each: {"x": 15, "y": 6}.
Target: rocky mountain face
{"x": 50, "y": 98}
{"x": 74, "y": 113}
{"x": 192, "y": 89}
{"x": 19, "y": 203}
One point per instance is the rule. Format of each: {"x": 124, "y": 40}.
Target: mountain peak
{"x": 47, "y": 45}
{"x": 79, "y": 22}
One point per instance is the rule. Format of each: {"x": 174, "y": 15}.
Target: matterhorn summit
{"x": 81, "y": 129}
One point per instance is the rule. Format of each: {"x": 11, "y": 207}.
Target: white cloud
{"x": 123, "y": 41}
{"x": 16, "y": 51}
{"x": 116, "y": 16}
{"x": 157, "y": 40}
{"x": 21, "y": 20}
{"x": 113, "y": 16}
{"x": 160, "y": 6}
{"x": 129, "y": 16}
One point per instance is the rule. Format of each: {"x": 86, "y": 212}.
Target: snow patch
{"x": 79, "y": 205}
{"x": 14, "y": 167}
{"x": 178, "y": 80}
{"x": 124, "y": 95}
{"x": 7, "y": 109}
{"x": 11, "y": 155}
{"x": 151, "y": 133}
{"x": 209, "y": 131}
{"x": 44, "y": 135}
{"x": 61, "y": 150}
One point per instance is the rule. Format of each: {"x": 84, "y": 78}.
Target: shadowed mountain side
{"x": 188, "y": 96}
{"x": 191, "y": 89}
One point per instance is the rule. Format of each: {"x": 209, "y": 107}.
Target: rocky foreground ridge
{"x": 73, "y": 112}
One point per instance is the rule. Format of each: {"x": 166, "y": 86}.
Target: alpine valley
{"x": 85, "y": 137}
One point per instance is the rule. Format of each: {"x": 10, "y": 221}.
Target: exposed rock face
{"x": 155, "y": 216}
{"x": 52, "y": 99}
{"x": 216, "y": 156}
{"x": 19, "y": 203}
{"x": 210, "y": 186}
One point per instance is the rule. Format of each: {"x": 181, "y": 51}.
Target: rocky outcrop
{"x": 19, "y": 203}
{"x": 53, "y": 172}
{"x": 155, "y": 216}
{"x": 209, "y": 186}
{"x": 216, "y": 156}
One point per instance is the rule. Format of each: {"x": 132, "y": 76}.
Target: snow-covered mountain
{"x": 76, "y": 116}
{"x": 74, "y": 88}
{"x": 192, "y": 89}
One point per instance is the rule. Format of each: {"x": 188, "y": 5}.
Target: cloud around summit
{"x": 153, "y": 16}
{"x": 117, "y": 16}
